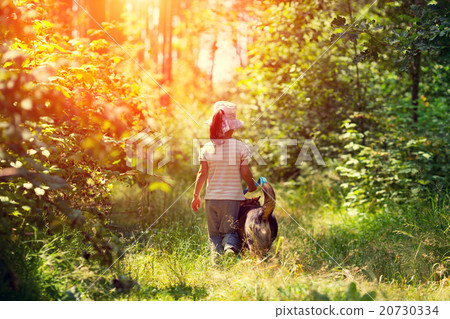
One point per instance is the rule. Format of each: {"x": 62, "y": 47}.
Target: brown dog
{"x": 257, "y": 226}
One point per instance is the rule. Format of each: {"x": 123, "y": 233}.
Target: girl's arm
{"x": 248, "y": 178}
{"x": 199, "y": 182}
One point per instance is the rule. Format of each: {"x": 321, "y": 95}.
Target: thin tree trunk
{"x": 166, "y": 31}
{"x": 97, "y": 10}
{"x": 167, "y": 40}
{"x": 213, "y": 58}
{"x": 359, "y": 103}
{"x": 65, "y": 7}
{"x": 415, "y": 76}
{"x": 116, "y": 7}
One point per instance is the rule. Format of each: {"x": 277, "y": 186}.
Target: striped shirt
{"x": 224, "y": 168}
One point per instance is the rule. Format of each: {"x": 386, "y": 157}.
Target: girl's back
{"x": 224, "y": 163}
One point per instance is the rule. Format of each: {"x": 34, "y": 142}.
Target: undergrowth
{"x": 323, "y": 252}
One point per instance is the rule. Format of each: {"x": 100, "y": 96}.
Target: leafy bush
{"x": 65, "y": 108}
{"x": 396, "y": 164}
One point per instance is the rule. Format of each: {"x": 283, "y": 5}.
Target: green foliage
{"x": 294, "y": 90}
{"x": 19, "y": 275}
{"x": 300, "y": 90}
{"x": 355, "y": 102}
{"x": 396, "y": 164}
{"x": 65, "y": 108}
{"x": 403, "y": 243}
{"x": 171, "y": 261}
{"x": 69, "y": 206}
{"x": 376, "y": 252}
{"x": 413, "y": 28}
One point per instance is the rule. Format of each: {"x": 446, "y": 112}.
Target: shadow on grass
{"x": 175, "y": 292}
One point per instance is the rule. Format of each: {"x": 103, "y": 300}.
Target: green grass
{"x": 395, "y": 254}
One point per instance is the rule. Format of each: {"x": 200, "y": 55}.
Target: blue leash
{"x": 260, "y": 182}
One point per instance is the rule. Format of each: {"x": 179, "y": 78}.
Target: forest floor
{"x": 321, "y": 253}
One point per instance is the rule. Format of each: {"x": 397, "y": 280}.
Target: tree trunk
{"x": 359, "y": 102}
{"x": 415, "y": 76}
{"x": 213, "y": 59}
{"x": 64, "y": 13}
{"x": 166, "y": 13}
{"x": 97, "y": 10}
{"x": 115, "y": 8}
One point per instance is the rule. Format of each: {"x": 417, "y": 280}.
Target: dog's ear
{"x": 256, "y": 200}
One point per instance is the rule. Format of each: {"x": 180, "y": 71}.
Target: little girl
{"x": 223, "y": 161}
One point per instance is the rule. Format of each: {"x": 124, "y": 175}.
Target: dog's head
{"x": 251, "y": 202}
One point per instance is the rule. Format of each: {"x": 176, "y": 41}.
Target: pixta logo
{"x": 142, "y": 147}
{"x": 279, "y": 146}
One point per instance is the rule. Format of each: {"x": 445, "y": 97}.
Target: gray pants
{"x": 221, "y": 216}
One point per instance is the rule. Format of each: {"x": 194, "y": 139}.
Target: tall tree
{"x": 97, "y": 11}
{"x": 114, "y": 12}
{"x": 166, "y": 30}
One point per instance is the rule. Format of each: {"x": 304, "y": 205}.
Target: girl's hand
{"x": 196, "y": 202}
{"x": 252, "y": 188}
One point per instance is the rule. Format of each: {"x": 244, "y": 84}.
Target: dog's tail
{"x": 269, "y": 201}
